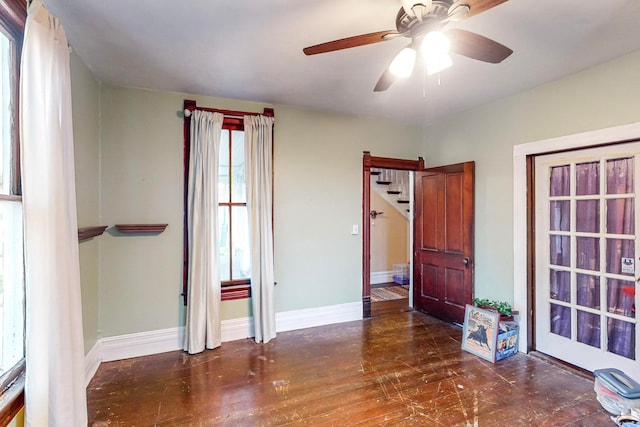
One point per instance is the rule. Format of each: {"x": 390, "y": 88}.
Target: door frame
{"x": 368, "y": 162}
{"x": 523, "y": 255}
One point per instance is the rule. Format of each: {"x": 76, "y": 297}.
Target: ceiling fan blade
{"x": 477, "y": 6}
{"x": 478, "y": 47}
{"x": 386, "y": 79}
{"x": 346, "y": 43}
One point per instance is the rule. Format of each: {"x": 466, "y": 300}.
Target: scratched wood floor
{"x": 399, "y": 368}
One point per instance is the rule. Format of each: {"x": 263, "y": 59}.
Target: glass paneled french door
{"x": 586, "y": 217}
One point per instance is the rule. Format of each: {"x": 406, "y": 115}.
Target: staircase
{"x": 393, "y": 186}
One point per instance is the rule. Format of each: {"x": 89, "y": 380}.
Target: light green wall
{"x": 317, "y": 179}
{"x": 134, "y": 139}
{"x": 318, "y": 197}
{"x": 86, "y": 132}
{"x": 604, "y": 96}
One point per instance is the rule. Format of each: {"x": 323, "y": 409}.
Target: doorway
{"x": 586, "y": 218}
{"x": 442, "y": 247}
{"x": 391, "y": 225}
{"x": 377, "y": 164}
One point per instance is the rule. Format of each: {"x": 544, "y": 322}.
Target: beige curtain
{"x": 202, "y": 328}
{"x": 258, "y": 136}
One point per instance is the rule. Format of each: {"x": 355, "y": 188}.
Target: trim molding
{"x": 616, "y": 134}
{"x": 92, "y": 362}
{"x": 170, "y": 339}
{"x": 140, "y": 344}
{"x": 381, "y": 277}
{"x": 318, "y": 316}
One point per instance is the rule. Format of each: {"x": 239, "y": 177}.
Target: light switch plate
{"x": 354, "y": 229}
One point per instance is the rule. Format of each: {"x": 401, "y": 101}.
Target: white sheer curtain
{"x": 258, "y": 138}
{"x": 203, "y": 294}
{"x": 55, "y": 384}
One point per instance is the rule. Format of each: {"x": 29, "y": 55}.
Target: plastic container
{"x": 616, "y": 392}
{"x": 401, "y": 274}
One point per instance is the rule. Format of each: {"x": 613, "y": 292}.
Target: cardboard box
{"x": 507, "y": 343}
{"x": 484, "y": 335}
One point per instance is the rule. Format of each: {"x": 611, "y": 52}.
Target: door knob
{"x": 465, "y": 262}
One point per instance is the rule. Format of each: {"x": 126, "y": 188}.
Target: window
{"x": 233, "y": 220}
{"x": 235, "y": 257}
{"x": 12, "y": 19}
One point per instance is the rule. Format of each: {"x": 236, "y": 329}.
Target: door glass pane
{"x": 620, "y": 256}
{"x": 588, "y": 290}
{"x": 223, "y": 168}
{"x": 620, "y": 297}
{"x": 621, "y": 338}
{"x": 560, "y": 320}
{"x": 620, "y": 176}
{"x": 559, "y": 211}
{"x": 587, "y": 216}
{"x": 589, "y": 328}
{"x": 225, "y": 243}
{"x": 587, "y": 178}
{"x": 241, "y": 256}
{"x": 560, "y": 285}
{"x": 237, "y": 157}
{"x": 559, "y": 250}
{"x": 620, "y": 216}
{"x": 559, "y": 181}
{"x": 588, "y": 253}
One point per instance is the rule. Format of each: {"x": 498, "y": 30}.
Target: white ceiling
{"x": 252, "y": 50}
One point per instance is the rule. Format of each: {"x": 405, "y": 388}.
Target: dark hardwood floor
{"x": 399, "y": 368}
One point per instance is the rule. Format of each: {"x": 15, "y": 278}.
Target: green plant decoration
{"x": 501, "y": 307}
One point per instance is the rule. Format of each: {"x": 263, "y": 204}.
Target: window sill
{"x": 236, "y": 292}
{"x": 12, "y": 400}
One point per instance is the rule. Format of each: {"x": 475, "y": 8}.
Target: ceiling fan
{"x": 423, "y": 22}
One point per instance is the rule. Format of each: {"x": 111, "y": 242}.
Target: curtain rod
{"x": 190, "y": 106}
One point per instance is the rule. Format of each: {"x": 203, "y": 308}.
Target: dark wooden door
{"x": 443, "y": 259}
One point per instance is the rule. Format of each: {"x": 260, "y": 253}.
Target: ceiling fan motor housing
{"x": 434, "y": 19}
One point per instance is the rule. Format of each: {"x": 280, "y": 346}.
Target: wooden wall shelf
{"x": 141, "y": 228}
{"x": 86, "y": 233}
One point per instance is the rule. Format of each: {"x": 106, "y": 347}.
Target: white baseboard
{"x": 92, "y": 362}
{"x": 311, "y": 317}
{"x": 163, "y": 340}
{"x": 236, "y": 329}
{"x": 381, "y": 277}
{"x": 140, "y": 344}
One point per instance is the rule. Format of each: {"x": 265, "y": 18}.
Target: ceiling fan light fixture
{"x": 402, "y": 64}
{"x": 435, "y": 52}
{"x": 437, "y": 63}
{"x": 434, "y": 43}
